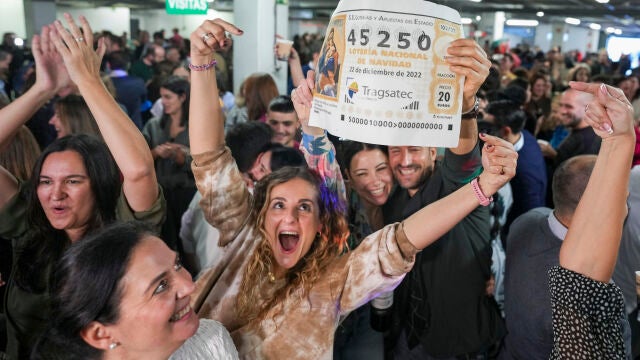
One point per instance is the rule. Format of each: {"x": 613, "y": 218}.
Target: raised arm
{"x": 316, "y": 147}
{"x": 499, "y": 161}
{"x": 206, "y": 120}
{"x": 126, "y": 143}
{"x": 50, "y": 78}
{"x": 591, "y": 245}
{"x": 467, "y": 58}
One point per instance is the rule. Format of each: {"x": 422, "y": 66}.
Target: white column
{"x": 12, "y": 17}
{"x": 498, "y": 25}
{"x": 253, "y": 51}
{"x": 594, "y": 40}
{"x": 39, "y": 14}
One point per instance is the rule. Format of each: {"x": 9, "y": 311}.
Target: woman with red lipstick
{"x": 78, "y": 185}
{"x": 121, "y": 293}
{"x": 282, "y": 282}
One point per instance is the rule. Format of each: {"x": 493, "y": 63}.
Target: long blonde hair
{"x": 328, "y": 245}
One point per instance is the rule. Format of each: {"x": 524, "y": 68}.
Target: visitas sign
{"x": 187, "y": 7}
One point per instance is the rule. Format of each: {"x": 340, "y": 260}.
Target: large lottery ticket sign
{"x": 382, "y": 77}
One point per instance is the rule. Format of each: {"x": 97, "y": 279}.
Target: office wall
{"x": 114, "y": 19}
{"x": 12, "y": 17}
{"x": 154, "y": 20}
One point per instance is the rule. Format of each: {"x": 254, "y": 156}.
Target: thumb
{"x": 311, "y": 79}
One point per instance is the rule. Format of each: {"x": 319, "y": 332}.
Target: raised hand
{"x": 211, "y": 36}
{"x": 302, "y": 98}
{"x": 467, "y": 58}
{"x": 51, "y": 74}
{"x": 609, "y": 113}
{"x": 76, "y": 48}
{"x": 499, "y": 160}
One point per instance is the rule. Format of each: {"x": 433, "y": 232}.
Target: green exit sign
{"x": 187, "y": 7}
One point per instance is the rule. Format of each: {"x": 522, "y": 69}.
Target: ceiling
{"x": 623, "y": 14}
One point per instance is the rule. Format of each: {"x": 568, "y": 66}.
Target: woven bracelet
{"x": 203, "y": 67}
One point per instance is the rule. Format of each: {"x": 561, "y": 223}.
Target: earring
{"x": 113, "y": 345}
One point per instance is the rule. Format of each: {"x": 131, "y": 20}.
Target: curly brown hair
{"x": 328, "y": 245}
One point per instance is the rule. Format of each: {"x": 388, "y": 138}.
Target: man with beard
{"x": 441, "y": 309}
{"x": 582, "y": 140}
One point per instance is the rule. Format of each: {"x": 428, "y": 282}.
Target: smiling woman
{"x": 282, "y": 280}
{"x": 78, "y": 185}
{"x": 123, "y": 294}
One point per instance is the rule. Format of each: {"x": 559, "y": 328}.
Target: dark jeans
{"x": 635, "y": 334}
{"x": 355, "y": 339}
{"x": 402, "y": 352}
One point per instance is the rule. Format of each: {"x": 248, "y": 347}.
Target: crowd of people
{"x": 148, "y": 212}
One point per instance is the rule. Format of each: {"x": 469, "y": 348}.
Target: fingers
{"x": 73, "y": 28}
{"x": 595, "y": 88}
{"x": 36, "y": 47}
{"x": 217, "y": 29}
{"x": 499, "y": 156}
{"x": 102, "y": 49}
{"x": 467, "y": 58}
{"x": 65, "y": 37}
{"x": 596, "y": 116}
{"x": 87, "y": 33}
{"x": 57, "y": 41}
{"x": 311, "y": 79}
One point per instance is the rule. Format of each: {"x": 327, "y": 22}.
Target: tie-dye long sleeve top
{"x": 296, "y": 328}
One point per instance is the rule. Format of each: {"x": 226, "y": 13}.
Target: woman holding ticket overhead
{"x": 281, "y": 283}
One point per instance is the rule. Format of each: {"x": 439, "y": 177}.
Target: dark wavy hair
{"x": 44, "y": 244}
{"x": 87, "y": 287}
{"x": 327, "y": 246}
{"x": 178, "y": 86}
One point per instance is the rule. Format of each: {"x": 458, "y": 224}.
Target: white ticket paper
{"x": 382, "y": 78}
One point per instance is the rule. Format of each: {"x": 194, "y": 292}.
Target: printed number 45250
{"x": 403, "y": 40}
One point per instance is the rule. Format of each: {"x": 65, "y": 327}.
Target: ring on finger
{"x": 586, "y": 108}
{"x": 79, "y": 39}
{"x": 206, "y": 36}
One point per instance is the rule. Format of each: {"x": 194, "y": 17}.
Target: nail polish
{"x": 603, "y": 89}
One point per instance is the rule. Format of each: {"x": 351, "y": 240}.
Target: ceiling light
{"x": 466, "y": 21}
{"x": 602, "y": 1}
{"x": 475, "y": 0}
{"x": 610, "y": 30}
{"x": 540, "y": 14}
{"x": 572, "y": 21}
{"x": 595, "y": 26}
{"x": 521, "y": 22}
{"x": 618, "y": 32}
{"x": 478, "y": 18}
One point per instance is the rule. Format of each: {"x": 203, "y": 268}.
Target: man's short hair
{"x": 569, "y": 182}
{"x": 507, "y": 113}
{"x": 246, "y": 141}
{"x": 118, "y": 60}
{"x": 282, "y": 104}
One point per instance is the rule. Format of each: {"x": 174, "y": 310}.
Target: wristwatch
{"x": 473, "y": 113}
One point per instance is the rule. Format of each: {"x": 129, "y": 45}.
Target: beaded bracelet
{"x": 203, "y": 67}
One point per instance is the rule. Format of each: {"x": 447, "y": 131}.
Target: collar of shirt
{"x": 118, "y": 73}
{"x": 559, "y": 230}
{"x": 519, "y": 144}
